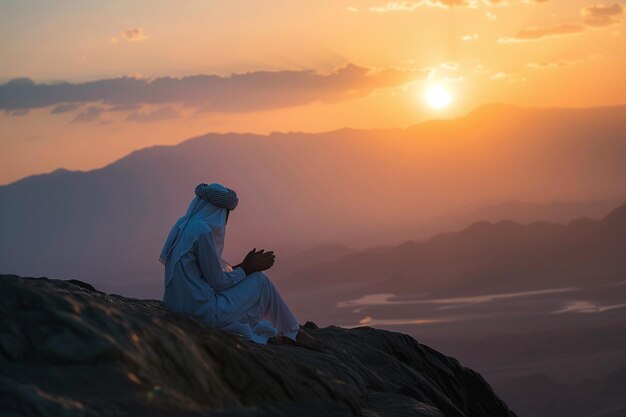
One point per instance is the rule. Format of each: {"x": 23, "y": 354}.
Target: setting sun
{"x": 438, "y": 97}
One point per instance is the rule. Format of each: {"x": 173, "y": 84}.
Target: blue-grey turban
{"x": 218, "y": 195}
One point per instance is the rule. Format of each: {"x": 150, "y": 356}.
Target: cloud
{"x": 450, "y": 66}
{"x": 409, "y": 6}
{"x": 64, "y": 108}
{"x": 500, "y": 75}
{"x": 532, "y": 34}
{"x": 241, "y": 92}
{"x": 19, "y": 112}
{"x": 162, "y": 113}
{"x": 91, "y": 114}
{"x": 600, "y": 15}
{"x": 550, "y": 65}
{"x": 506, "y": 76}
{"x": 561, "y": 64}
{"x": 124, "y": 107}
{"x": 471, "y": 37}
{"x": 536, "y": 33}
{"x": 508, "y": 2}
{"x": 134, "y": 34}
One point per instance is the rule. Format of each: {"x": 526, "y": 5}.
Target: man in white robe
{"x": 199, "y": 283}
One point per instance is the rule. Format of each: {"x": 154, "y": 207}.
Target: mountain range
{"x": 356, "y": 188}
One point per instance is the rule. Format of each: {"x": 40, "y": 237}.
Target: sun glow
{"x": 438, "y": 97}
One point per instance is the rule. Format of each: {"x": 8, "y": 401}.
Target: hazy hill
{"x": 485, "y": 258}
{"x": 298, "y": 190}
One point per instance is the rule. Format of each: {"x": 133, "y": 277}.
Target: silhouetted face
{"x": 227, "y": 214}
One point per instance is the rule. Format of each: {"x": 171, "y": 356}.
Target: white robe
{"x": 201, "y": 284}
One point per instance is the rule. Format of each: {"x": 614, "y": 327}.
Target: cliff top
{"x": 67, "y": 349}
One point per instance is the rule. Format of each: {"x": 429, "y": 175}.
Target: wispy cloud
{"x": 162, "y": 113}
{"x": 450, "y": 66}
{"x": 532, "y": 34}
{"x": 508, "y": 2}
{"x": 19, "y": 112}
{"x": 550, "y": 65}
{"x": 470, "y": 37}
{"x": 410, "y": 6}
{"x": 501, "y": 75}
{"x": 134, "y": 34}
{"x": 64, "y": 108}
{"x": 560, "y": 64}
{"x": 90, "y": 114}
{"x": 131, "y": 34}
{"x": 600, "y": 15}
{"x": 241, "y": 92}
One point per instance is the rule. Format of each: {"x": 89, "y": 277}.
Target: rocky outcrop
{"x": 67, "y": 349}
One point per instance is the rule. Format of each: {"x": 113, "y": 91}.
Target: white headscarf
{"x": 201, "y": 217}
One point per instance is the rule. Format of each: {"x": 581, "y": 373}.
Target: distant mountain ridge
{"x": 514, "y": 210}
{"x": 501, "y": 256}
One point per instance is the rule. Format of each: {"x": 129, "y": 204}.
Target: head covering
{"x": 218, "y": 195}
{"x": 206, "y": 213}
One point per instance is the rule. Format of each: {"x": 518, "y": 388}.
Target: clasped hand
{"x": 256, "y": 261}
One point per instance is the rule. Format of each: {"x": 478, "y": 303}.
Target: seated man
{"x": 199, "y": 283}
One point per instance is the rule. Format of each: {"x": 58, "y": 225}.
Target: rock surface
{"x": 67, "y": 349}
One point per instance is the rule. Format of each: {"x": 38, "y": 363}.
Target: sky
{"x": 85, "y": 83}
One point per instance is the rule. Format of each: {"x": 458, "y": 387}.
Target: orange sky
{"x": 280, "y": 66}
